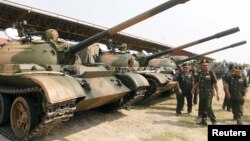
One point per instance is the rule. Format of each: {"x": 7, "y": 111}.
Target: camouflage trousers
{"x": 226, "y": 103}
{"x": 205, "y": 109}
{"x": 237, "y": 108}
{"x": 180, "y": 103}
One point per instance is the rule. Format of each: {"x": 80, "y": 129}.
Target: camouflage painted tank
{"x": 164, "y": 62}
{"x": 219, "y": 68}
{"x": 42, "y": 83}
{"x": 159, "y": 76}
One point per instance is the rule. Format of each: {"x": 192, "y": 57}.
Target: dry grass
{"x": 184, "y": 128}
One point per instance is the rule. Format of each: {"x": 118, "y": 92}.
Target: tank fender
{"x": 133, "y": 80}
{"x": 58, "y": 88}
{"x": 161, "y": 78}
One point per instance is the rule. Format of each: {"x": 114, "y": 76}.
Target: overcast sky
{"x": 179, "y": 25}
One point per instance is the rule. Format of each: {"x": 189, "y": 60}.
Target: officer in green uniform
{"x": 207, "y": 84}
{"x": 179, "y": 70}
{"x": 236, "y": 89}
{"x": 225, "y": 76}
{"x": 179, "y": 96}
{"x": 185, "y": 81}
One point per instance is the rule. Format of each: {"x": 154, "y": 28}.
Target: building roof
{"x": 70, "y": 28}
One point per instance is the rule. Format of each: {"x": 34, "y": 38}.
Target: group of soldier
{"x": 192, "y": 82}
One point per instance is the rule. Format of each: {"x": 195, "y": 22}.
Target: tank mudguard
{"x": 161, "y": 78}
{"x": 133, "y": 80}
{"x": 58, "y": 88}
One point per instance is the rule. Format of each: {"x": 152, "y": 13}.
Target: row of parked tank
{"x": 42, "y": 83}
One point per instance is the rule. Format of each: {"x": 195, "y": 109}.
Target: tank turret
{"x": 213, "y": 51}
{"x": 66, "y": 54}
{"x": 84, "y": 44}
{"x": 142, "y": 60}
{"x": 159, "y": 82}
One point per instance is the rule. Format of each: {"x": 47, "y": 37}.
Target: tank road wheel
{"x": 5, "y": 105}
{"x": 152, "y": 86}
{"x": 23, "y": 116}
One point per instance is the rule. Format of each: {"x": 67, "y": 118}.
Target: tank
{"x": 210, "y": 52}
{"x": 153, "y": 61}
{"x": 42, "y": 83}
{"x": 160, "y": 78}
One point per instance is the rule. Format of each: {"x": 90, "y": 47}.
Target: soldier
{"x": 206, "y": 81}
{"x": 179, "y": 70}
{"x": 123, "y": 48}
{"x": 140, "y": 53}
{"x": 184, "y": 86}
{"x": 131, "y": 64}
{"x": 236, "y": 88}
{"x": 194, "y": 72}
{"x": 226, "y": 103}
{"x": 179, "y": 96}
{"x": 50, "y": 34}
{"x": 53, "y": 36}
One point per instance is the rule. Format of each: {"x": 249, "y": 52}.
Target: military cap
{"x": 204, "y": 62}
{"x": 185, "y": 65}
{"x": 238, "y": 68}
{"x": 231, "y": 66}
{"x": 178, "y": 66}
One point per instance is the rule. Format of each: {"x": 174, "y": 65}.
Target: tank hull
{"x": 52, "y": 96}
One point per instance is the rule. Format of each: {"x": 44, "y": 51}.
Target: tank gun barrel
{"x": 217, "y": 35}
{"x": 85, "y": 43}
{"x": 213, "y": 51}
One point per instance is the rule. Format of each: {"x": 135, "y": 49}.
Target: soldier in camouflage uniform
{"x": 226, "y": 103}
{"x": 179, "y": 97}
{"x": 178, "y": 71}
{"x": 236, "y": 88}
{"x": 207, "y": 84}
{"x": 184, "y": 86}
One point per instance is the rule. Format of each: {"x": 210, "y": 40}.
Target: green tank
{"x": 153, "y": 61}
{"x": 159, "y": 76}
{"x": 42, "y": 83}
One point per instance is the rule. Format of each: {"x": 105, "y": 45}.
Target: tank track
{"x": 147, "y": 99}
{"x": 54, "y": 115}
{"x": 150, "y": 96}
{"x": 125, "y": 102}
{"x": 138, "y": 96}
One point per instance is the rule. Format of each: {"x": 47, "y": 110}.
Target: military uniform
{"x": 185, "y": 81}
{"x": 178, "y": 71}
{"x": 195, "y": 75}
{"x": 237, "y": 85}
{"x": 206, "y": 80}
{"x": 179, "y": 96}
{"x": 226, "y": 103}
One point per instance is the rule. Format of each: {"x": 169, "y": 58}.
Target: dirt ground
{"x": 155, "y": 121}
